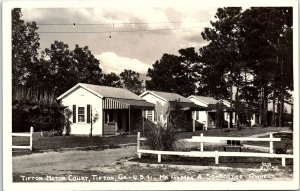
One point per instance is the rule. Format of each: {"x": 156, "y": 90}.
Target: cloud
{"x": 144, "y": 46}
{"x": 111, "y": 62}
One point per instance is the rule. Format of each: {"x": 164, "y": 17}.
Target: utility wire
{"x": 121, "y": 31}
{"x": 116, "y": 23}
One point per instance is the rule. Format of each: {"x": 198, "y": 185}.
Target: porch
{"x": 123, "y": 116}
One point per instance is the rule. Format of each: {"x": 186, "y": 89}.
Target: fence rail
{"x": 201, "y": 139}
{"x": 30, "y": 135}
{"x": 215, "y": 154}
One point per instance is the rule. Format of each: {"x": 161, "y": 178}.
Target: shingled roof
{"x": 113, "y": 92}
{"x": 105, "y": 92}
{"x": 207, "y": 100}
{"x": 210, "y": 101}
{"x": 185, "y": 103}
{"x": 168, "y": 96}
{"x": 113, "y": 98}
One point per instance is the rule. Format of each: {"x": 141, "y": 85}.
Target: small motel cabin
{"x": 207, "y": 118}
{"x": 105, "y": 110}
{"x": 161, "y": 101}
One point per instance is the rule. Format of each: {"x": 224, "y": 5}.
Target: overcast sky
{"x": 124, "y": 50}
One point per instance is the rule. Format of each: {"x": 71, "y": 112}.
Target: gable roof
{"x": 104, "y": 91}
{"x": 206, "y": 100}
{"x": 211, "y": 102}
{"x": 167, "y": 96}
{"x": 113, "y": 92}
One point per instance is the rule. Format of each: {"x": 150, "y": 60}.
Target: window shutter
{"x": 88, "y": 113}
{"x": 74, "y": 113}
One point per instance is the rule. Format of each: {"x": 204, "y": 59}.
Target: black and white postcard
{"x": 159, "y": 95}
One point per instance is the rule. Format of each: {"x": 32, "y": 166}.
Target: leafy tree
{"x": 25, "y": 45}
{"x": 225, "y": 66}
{"x": 130, "y": 80}
{"x": 112, "y": 80}
{"x": 178, "y": 118}
{"x": 212, "y": 81}
{"x": 221, "y": 57}
{"x": 87, "y": 66}
{"x": 251, "y": 50}
{"x": 178, "y": 71}
{"x": 61, "y": 68}
{"x": 269, "y": 55}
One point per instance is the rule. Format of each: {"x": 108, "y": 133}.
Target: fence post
{"x": 31, "y": 137}
{"x": 216, "y": 158}
{"x": 159, "y": 158}
{"x": 138, "y": 145}
{"x": 271, "y": 143}
{"x": 201, "y": 143}
{"x": 283, "y": 162}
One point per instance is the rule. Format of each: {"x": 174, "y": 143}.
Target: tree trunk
{"x": 260, "y": 109}
{"x": 281, "y": 111}
{"x": 237, "y": 113}
{"x": 281, "y": 96}
{"x": 230, "y": 113}
{"x": 278, "y": 111}
{"x": 273, "y": 112}
{"x": 266, "y": 110}
{"x": 265, "y": 107}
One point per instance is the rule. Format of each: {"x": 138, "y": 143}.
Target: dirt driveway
{"x": 69, "y": 161}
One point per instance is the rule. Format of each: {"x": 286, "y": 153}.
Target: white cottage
{"x": 105, "y": 110}
{"x": 207, "y": 119}
{"x": 161, "y": 99}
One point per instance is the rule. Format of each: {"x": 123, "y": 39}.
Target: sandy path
{"x": 60, "y": 162}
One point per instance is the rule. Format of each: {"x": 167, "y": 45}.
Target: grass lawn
{"x": 286, "y": 141}
{"x": 245, "y": 132}
{"x": 60, "y": 142}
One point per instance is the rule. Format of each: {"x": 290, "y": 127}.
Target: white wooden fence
{"x": 30, "y": 134}
{"x": 201, "y": 139}
{"x": 215, "y": 154}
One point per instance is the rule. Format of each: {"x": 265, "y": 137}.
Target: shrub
{"x": 160, "y": 138}
{"x": 38, "y": 109}
{"x": 282, "y": 148}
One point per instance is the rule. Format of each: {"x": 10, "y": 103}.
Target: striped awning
{"x": 117, "y": 103}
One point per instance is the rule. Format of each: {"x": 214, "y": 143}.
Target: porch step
{"x": 109, "y": 130}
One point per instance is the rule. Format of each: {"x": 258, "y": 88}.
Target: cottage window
{"x": 197, "y": 115}
{"x": 81, "y": 114}
{"x": 150, "y": 115}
